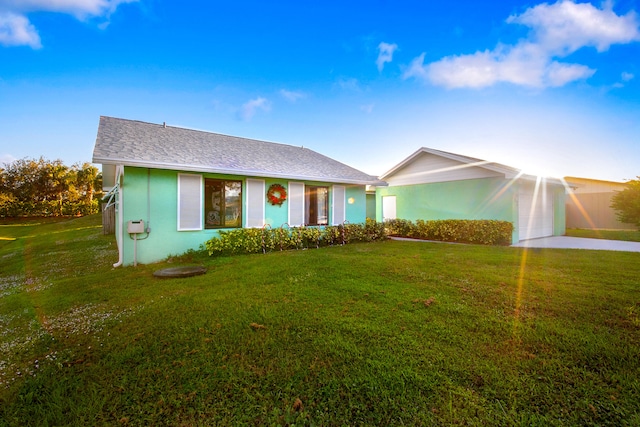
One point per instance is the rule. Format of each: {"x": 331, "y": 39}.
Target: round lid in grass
{"x": 186, "y": 271}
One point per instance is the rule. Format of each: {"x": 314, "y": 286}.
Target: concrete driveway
{"x": 564, "y": 242}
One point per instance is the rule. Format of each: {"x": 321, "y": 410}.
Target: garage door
{"x": 535, "y": 212}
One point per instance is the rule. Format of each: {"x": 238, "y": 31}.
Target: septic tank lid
{"x": 186, "y": 271}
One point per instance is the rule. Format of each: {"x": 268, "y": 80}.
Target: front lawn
{"x": 390, "y": 333}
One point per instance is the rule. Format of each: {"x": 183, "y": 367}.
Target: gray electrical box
{"x": 135, "y": 227}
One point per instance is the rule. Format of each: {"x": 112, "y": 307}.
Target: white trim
{"x": 187, "y": 196}
{"x": 120, "y": 210}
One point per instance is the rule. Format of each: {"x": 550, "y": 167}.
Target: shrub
{"x": 400, "y": 227}
{"x": 255, "y": 240}
{"x": 483, "y": 232}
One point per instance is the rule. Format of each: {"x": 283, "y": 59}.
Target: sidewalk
{"x": 564, "y": 242}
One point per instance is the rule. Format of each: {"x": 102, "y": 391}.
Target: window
{"x": 316, "y": 200}
{"x": 222, "y": 203}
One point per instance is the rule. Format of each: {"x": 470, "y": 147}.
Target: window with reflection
{"x": 316, "y": 200}
{"x": 222, "y": 203}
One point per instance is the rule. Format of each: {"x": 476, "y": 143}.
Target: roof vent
{"x": 164, "y": 125}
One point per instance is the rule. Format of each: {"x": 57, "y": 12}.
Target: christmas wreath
{"x": 276, "y": 195}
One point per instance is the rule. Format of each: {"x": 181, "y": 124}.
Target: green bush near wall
{"x": 484, "y": 232}
{"x": 256, "y": 240}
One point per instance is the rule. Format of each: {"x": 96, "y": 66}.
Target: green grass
{"x": 391, "y": 333}
{"x": 626, "y": 235}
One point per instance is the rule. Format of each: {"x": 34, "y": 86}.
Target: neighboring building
{"x": 175, "y": 188}
{"x": 589, "y": 204}
{"x": 432, "y": 184}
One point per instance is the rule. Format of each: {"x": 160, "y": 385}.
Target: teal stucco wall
{"x": 488, "y": 198}
{"x": 157, "y": 206}
{"x": 560, "y": 212}
{"x": 371, "y": 206}
{"x": 485, "y": 198}
{"x": 151, "y": 195}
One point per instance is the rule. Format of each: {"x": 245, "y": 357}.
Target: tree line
{"x": 40, "y": 187}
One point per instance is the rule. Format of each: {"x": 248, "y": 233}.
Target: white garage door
{"x": 535, "y": 213}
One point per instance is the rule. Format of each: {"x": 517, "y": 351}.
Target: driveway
{"x": 564, "y": 242}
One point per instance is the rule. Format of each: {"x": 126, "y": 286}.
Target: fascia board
{"x": 534, "y": 178}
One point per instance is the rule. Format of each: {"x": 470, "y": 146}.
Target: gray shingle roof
{"x": 135, "y": 143}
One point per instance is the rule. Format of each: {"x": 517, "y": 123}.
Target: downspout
{"x": 120, "y": 242}
{"x": 148, "y": 230}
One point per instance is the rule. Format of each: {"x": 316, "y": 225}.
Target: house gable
{"x": 427, "y": 168}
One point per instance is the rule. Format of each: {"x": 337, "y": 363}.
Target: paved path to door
{"x": 564, "y": 242}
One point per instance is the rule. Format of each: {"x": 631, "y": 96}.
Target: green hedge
{"x": 483, "y": 232}
{"x": 256, "y": 240}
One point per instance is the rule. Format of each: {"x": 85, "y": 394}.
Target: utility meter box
{"x": 135, "y": 227}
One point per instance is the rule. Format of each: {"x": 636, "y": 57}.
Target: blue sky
{"x": 550, "y": 88}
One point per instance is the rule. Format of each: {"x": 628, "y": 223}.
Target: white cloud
{"x": 624, "y": 77}
{"x": 5, "y": 159}
{"x": 558, "y": 74}
{"x": 417, "y": 69}
{"x": 16, "y": 30}
{"x": 521, "y": 65}
{"x": 557, "y": 30}
{"x": 385, "y": 54}
{"x": 627, "y": 76}
{"x": 351, "y": 84}
{"x": 81, "y": 9}
{"x": 249, "y": 108}
{"x": 367, "y": 108}
{"x": 565, "y": 26}
{"x": 292, "y": 96}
